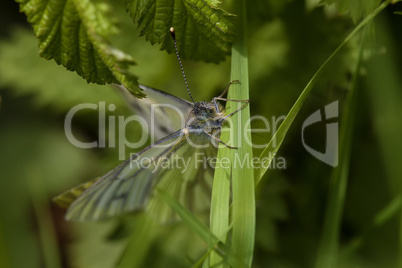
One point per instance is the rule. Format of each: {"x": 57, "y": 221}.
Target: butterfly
{"x": 176, "y": 163}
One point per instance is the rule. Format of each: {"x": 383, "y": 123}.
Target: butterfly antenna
{"x": 181, "y": 65}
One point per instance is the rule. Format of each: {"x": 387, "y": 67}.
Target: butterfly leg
{"x": 224, "y": 99}
{"x": 219, "y": 140}
{"x": 227, "y": 88}
{"x": 240, "y": 108}
{"x": 223, "y": 93}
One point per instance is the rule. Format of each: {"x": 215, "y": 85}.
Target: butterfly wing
{"x": 190, "y": 182}
{"x": 65, "y": 199}
{"x": 171, "y": 163}
{"x": 125, "y": 188}
{"x": 163, "y": 112}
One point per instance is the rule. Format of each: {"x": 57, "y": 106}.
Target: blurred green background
{"x": 288, "y": 41}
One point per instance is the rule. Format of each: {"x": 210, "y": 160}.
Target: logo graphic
{"x": 330, "y": 156}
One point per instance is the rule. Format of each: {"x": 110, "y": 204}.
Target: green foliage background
{"x": 287, "y": 43}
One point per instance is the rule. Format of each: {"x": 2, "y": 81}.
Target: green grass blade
{"x": 141, "y": 239}
{"x": 329, "y": 244}
{"x": 4, "y": 252}
{"x": 47, "y": 234}
{"x": 219, "y": 215}
{"x": 202, "y": 261}
{"x": 388, "y": 211}
{"x": 189, "y": 219}
{"x": 243, "y": 206}
{"x": 392, "y": 209}
{"x": 200, "y": 229}
{"x": 276, "y": 141}
{"x": 384, "y": 89}
{"x": 400, "y": 241}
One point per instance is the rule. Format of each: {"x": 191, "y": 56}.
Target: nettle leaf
{"x": 203, "y": 30}
{"x": 75, "y": 34}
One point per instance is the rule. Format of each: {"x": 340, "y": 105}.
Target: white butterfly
{"x": 176, "y": 162}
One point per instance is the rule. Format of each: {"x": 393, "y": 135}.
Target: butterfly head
{"x": 205, "y": 111}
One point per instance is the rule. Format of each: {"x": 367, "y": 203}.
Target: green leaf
{"x": 203, "y": 30}
{"x": 75, "y": 34}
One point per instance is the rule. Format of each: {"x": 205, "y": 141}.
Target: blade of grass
{"x": 4, "y": 252}
{"x": 272, "y": 148}
{"x": 388, "y": 211}
{"x": 200, "y": 229}
{"x": 47, "y": 233}
{"x": 384, "y": 88}
{"x": 329, "y": 245}
{"x": 400, "y": 242}
{"x": 219, "y": 215}
{"x": 391, "y": 210}
{"x": 202, "y": 261}
{"x": 244, "y": 200}
{"x": 142, "y": 238}
{"x": 243, "y": 205}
